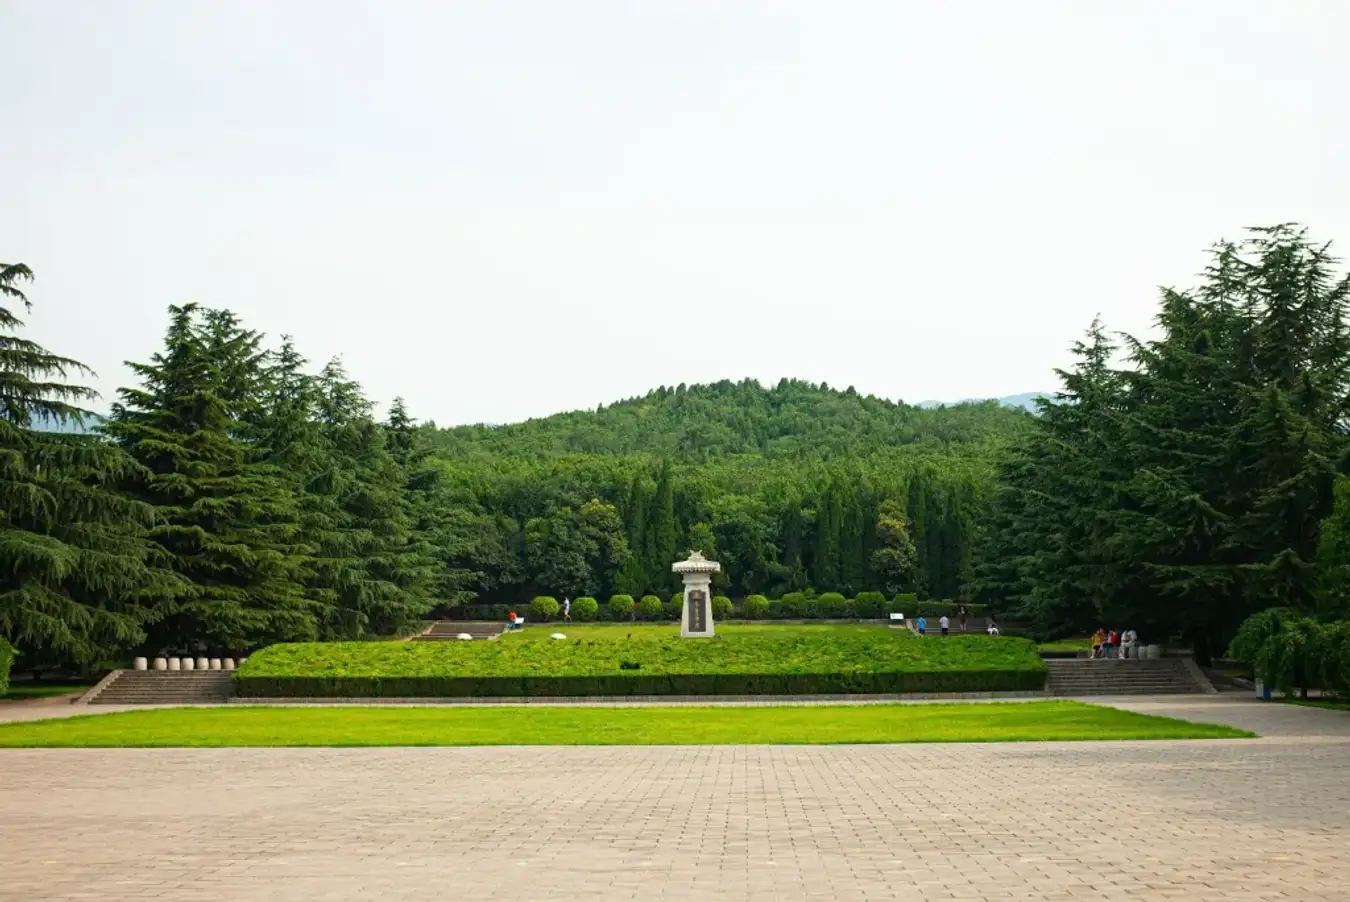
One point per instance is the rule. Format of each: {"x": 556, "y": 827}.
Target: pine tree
{"x": 228, "y": 522}
{"x": 79, "y": 578}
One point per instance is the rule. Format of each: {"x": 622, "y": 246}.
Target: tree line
{"x": 236, "y": 496}
{"x": 1183, "y": 483}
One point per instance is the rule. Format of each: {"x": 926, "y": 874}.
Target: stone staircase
{"x": 449, "y": 630}
{"x": 1117, "y": 676}
{"x": 163, "y": 687}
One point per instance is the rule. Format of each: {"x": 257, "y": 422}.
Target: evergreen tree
{"x": 79, "y": 581}
{"x": 228, "y": 522}
{"x": 662, "y": 532}
{"x": 894, "y": 559}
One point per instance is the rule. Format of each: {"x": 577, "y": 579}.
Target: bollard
{"x": 138, "y": 664}
{"x": 203, "y": 664}
{"x": 161, "y": 664}
{"x": 227, "y": 664}
{"x": 175, "y": 664}
{"x": 187, "y": 663}
{"x": 213, "y": 664}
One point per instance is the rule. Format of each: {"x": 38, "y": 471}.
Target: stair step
{"x": 165, "y": 687}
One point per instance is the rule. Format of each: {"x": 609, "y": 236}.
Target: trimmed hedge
{"x": 722, "y": 607}
{"x": 651, "y": 608}
{"x": 620, "y": 607}
{"x": 585, "y": 609}
{"x": 544, "y": 607}
{"x": 6, "y": 662}
{"x": 793, "y": 606}
{"x": 647, "y": 660}
{"x": 756, "y": 607}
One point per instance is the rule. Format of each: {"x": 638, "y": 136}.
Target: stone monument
{"x": 696, "y": 620}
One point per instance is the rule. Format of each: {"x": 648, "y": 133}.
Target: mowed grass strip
{"x": 241, "y": 726}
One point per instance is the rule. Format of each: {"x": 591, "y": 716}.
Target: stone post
{"x": 175, "y": 664}
{"x": 161, "y": 664}
{"x": 138, "y": 664}
{"x": 696, "y": 618}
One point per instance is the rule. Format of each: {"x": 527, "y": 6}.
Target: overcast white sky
{"x": 502, "y": 209}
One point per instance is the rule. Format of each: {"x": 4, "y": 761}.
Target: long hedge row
{"x": 796, "y": 606}
{"x": 611, "y": 660}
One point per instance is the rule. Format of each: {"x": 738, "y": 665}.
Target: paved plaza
{"x": 1195, "y": 821}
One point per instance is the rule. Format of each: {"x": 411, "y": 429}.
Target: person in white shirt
{"x": 992, "y": 629}
{"x": 1127, "y": 642}
{"x": 567, "y": 610}
{"x": 944, "y": 623}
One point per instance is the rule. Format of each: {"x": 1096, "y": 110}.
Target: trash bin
{"x": 1262, "y": 691}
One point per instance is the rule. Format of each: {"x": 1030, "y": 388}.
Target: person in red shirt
{"x": 1113, "y": 644}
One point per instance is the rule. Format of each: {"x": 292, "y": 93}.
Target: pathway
{"x": 1216, "y": 820}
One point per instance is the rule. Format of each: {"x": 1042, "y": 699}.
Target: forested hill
{"x": 794, "y": 420}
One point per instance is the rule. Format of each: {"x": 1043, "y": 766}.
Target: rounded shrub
{"x": 544, "y": 607}
{"x": 586, "y": 609}
{"x": 793, "y": 606}
{"x": 650, "y": 608}
{"x": 620, "y": 607}
{"x": 676, "y": 606}
{"x": 831, "y": 605}
{"x": 756, "y": 608}
{"x": 722, "y": 607}
{"x": 870, "y": 605}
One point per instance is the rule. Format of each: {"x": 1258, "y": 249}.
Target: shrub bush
{"x": 6, "y": 662}
{"x": 585, "y": 609}
{"x": 793, "y": 606}
{"x": 722, "y": 607}
{"x": 620, "y": 607}
{"x": 756, "y": 608}
{"x": 905, "y": 603}
{"x": 544, "y": 607}
{"x": 676, "y": 607}
{"x": 870, "y": 605}
{"x": 830, "y": 606}
{"x": 651, "y": 608}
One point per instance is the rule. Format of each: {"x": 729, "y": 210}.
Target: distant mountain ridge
{"x": 1025, "y": 400}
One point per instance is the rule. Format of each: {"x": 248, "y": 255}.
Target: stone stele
{"x": 696, "y": 619}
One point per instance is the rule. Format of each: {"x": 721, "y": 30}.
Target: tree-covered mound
{"x": 649, "y": 660}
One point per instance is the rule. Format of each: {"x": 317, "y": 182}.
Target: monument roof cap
{"x": 696, "y": 563}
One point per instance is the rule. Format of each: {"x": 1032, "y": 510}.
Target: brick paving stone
{"x": 1233, "y": 820}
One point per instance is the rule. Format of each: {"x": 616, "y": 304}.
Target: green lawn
{"x": 788, "y": 725}
{"x": 41, "y": 689}
{"x": 647, "y": 659}
{"x": 1332, "y": 704}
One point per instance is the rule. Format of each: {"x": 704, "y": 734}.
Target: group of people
{"x": 945, "y": 623}
{"x": 1112, "y": 644}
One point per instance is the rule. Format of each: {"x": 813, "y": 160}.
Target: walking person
{"x": 943, "y": 622}
{"x": 567, "y": 609}
{"x": 922, "y": 626}
{"x": 961, "y": 617}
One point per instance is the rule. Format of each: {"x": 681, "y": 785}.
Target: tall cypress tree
{"x": 227, "y": 521}
{"x": 662, "y": 531}
{"x": 79, "y": 580}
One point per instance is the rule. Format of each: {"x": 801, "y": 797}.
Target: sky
{"x": 504, "y": 209}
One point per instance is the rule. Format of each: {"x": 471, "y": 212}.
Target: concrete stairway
{"x": 164, "y": 687}
{"x": 1155, "y": 676}
{"x": 443, "y": 630}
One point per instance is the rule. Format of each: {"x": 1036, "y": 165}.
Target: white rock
{"x": 161, "y": 664}
{"x": 558, "y": 636}
{"x": 464, "y": 636}
{"x": 138, "y": 664}
{"x": 187, "y": 664}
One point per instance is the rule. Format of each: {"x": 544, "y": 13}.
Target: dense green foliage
{"x": 1290, "y": 651}
{"x": 6, "y": 662}
{"x": 238, "y": 726}
{"x": 649, "y": 660}
{"x": 78, "y": 577}
{"x": 1186, "y": 489}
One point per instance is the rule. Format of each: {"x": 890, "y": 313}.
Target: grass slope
{"x": 785, "y": 725}
{"x": 621, "y": 659}
{"x": 41, "y": 690}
